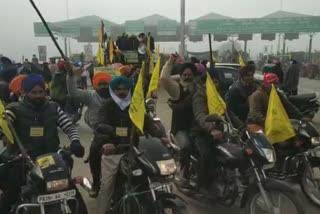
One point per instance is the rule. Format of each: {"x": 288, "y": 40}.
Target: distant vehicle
{"x": 232, "y": 65}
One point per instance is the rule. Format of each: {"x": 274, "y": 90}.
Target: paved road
{"x": 194, "y": 207}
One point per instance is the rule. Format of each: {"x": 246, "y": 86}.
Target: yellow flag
{"x": 290, "y": 56}
{"x": 111, "y": 49}
{"x": 4, "y": 126}
{"x": 268, "y": 57}
{"x": 100, "y": 55}
{"x": 154, "y": 82}
{"x": 216, "y": 105}
{"x": 137, "y": 107}
{"x": 151, "y": 64}
{"x": 241, "y": 61}
{"x": 214, "y": 59}
{"x": 157, "y": 51}
{"x": 278, "y": 127}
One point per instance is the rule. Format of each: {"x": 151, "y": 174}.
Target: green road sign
{"x": 68, "y": 29}
{"x": 167, "y": 27}
{"x": 134, "y": 27}
{"x": 262, "y": 25}
{"x": 41, "y": 31}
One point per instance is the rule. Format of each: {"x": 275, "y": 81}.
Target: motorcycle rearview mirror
{"x": 214, "y": 118}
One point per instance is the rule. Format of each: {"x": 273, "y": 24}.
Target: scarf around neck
{"x": 123, "y": 103}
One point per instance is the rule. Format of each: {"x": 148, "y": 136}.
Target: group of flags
{"x": 137, "y": 105}
{"x": 102, "y": 37}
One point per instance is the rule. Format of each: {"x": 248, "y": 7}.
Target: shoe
{"x": 93, "y": 193}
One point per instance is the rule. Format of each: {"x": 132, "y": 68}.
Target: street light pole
{"x": 182, "y": 28}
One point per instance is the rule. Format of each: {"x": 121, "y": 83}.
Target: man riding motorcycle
{"x": 114, "y": 114}
{"x": 36, "y": 121}
{"x": 93, "y": 99}
{"x": 204, "y": 131}
{"x": 259, "y": 101}
{"x": 237, "y": 98}
{"x": 181, "y": 104}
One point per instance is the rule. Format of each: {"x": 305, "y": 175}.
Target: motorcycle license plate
{"x": 56, "y": 196}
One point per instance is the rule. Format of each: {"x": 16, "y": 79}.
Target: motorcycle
{"x": 239, "y": 172}
{"x": 308, "y": 104}
{"x": 300, "y": 158}
{"x": 47, "y": 187}
{"x": 144, "y": 180}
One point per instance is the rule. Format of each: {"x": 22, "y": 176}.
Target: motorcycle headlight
{"x": 57, "y": 185}
{"x": 269, "y": 155}
{"x": 315, "y": 141}
{"x": 167, "y": 167}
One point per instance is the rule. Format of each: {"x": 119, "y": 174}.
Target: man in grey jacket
{"x": 93, "y": 99}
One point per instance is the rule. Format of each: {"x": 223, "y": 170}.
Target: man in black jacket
{"x": 237, "y": 98}
{"x": 114, "y": 116}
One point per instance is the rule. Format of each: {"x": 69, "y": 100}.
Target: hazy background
{"x": 17, "y": 17}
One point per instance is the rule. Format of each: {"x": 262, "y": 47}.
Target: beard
{"x": 37, "y": 101}
{"x": 104, "y": 93}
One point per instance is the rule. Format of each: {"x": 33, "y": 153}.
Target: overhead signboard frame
{"x": 260, "y": 25}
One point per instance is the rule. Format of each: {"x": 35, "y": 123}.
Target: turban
{"x": 121, "y": 80}
{"x": 31, "y": 81}
{"x": 190, "y": 66}
{"x": 15, "y": 84}
{"x": 270, "y": 78}
{"x": 200, "y": 68}
{"x": 125, "y": 70}
{"x": 101, "y": 76}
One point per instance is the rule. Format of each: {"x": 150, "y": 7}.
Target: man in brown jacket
{"x": 259, "y": 101}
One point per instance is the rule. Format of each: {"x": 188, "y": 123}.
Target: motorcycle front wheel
{"x": 282, "y": 202}
{"x": 310, "y": 186}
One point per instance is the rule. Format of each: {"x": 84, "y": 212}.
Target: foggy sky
{"x": 17, "y": 17}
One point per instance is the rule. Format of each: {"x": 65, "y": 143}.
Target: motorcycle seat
{"x": 302, "y": 98}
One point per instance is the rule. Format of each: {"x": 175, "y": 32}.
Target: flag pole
{"x": 48, "y": 29}
{"x": 210, "y": 47}
{"x": 16, "y": 137}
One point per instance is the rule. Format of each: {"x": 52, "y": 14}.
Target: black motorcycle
{"x": 144, "y": 180}
{"x": 299, "y": 158}
{"x": 239, "y": 171}
{"x": 308, "y": 104}
{"x": 47, "y": 186}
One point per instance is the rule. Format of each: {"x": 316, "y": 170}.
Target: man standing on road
{"x": 291, "y": 80}
{"x": 93, "y": 99}
{"x": 181, "y": 104}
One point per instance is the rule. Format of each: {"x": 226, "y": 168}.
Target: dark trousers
{"x": 95, "y": 162}
{"x": 207, "y": 160}
{"x": 84, "y": 83}
{"x": 184, "y": 141}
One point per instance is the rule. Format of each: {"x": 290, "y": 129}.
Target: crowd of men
{"x": 37, "y": 96}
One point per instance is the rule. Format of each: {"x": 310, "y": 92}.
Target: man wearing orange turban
{"x": 125, "y": 71}
{"x": 15, "y": 87}
{"x": 93, "y": 99}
